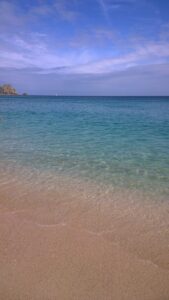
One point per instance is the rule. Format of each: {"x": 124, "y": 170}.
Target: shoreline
{"x": 73, "y": 240}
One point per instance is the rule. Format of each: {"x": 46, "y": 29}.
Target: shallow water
{"x": 119, "y": 141}
{"x": 73, "y": 239}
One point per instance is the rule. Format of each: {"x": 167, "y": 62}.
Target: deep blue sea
{"x": 119, "y": 141}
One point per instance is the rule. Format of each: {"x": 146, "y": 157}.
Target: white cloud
{"x": 78, "y": 54}
{"x": 35, "y": 52}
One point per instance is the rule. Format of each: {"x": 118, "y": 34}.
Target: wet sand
{"x": 64, "y": 239}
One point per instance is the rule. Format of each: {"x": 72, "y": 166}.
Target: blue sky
{"x": 85, "y": 47}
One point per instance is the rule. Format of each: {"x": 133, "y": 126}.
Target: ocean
{"x": 120, "y": 141}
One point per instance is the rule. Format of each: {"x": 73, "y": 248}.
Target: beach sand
{"x": 64, "y": 239}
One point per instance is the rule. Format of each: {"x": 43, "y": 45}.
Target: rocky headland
{"x": 7, "y": 89}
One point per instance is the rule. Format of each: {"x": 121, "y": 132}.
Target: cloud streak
{"x": 108, "y": 5}
{"x": 35, "y": 53}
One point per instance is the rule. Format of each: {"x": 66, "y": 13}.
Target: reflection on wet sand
{"x": 63, "y": 239}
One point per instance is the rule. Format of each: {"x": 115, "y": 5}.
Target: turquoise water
{"x": 121, "y": 141}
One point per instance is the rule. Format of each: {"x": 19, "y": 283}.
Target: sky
{"x": 85, "y": 47}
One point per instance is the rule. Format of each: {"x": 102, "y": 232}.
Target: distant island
{"x": 7, "y": 89}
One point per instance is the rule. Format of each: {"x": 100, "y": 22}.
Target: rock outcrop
{"x": 7, "y": 89}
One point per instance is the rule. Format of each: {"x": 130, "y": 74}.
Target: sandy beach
{"x": 62, "y": 241}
